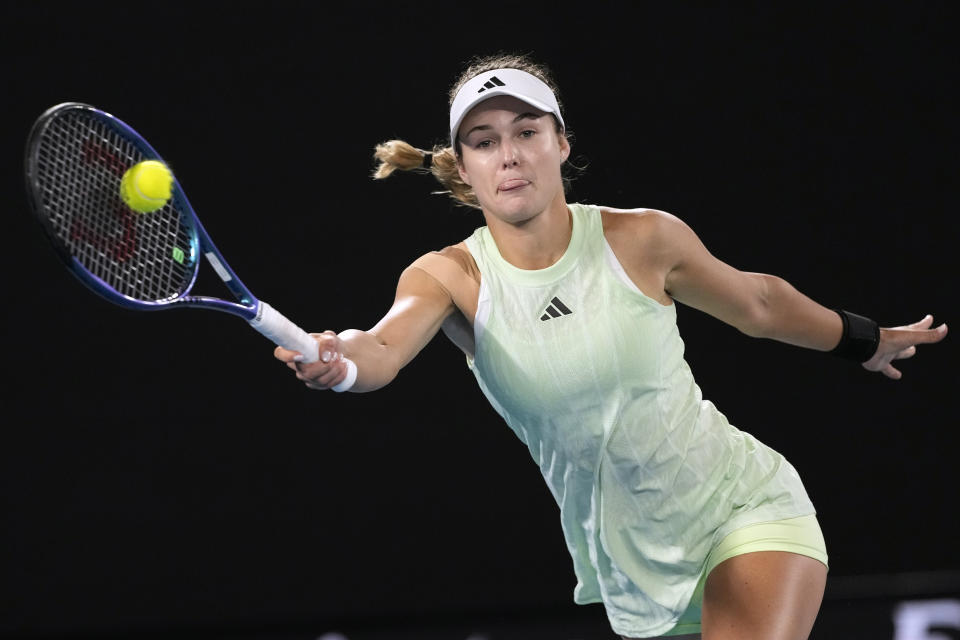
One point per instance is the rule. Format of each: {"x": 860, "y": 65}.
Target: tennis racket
{"x": 75, "y": 157}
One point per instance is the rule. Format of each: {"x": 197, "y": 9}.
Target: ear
{"x": 564, "y": 148}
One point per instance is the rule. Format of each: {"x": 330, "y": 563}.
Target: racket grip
{"x": 278, "y": 328}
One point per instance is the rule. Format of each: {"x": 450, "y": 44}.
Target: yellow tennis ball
{"x": 146, "y": 186}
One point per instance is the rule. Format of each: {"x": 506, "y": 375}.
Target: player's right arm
{"x": 419, "y": 308}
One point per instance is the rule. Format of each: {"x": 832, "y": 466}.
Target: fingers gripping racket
{"x": 75, "y": 158}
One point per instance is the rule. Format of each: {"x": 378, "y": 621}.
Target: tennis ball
{"x": 146, "y": 186}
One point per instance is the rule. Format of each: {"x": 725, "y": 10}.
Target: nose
{"x": 511, "y": 155}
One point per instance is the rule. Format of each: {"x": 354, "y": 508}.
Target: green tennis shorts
{"x": 799, "y": 535}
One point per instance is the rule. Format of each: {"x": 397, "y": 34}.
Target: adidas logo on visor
{"x": 555, "y": 310}
{"x": 491, "y": 83}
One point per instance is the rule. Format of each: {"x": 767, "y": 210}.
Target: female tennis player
{"x": 678, "y": 522}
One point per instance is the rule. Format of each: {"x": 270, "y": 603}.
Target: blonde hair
{"x": 442, "y": 160}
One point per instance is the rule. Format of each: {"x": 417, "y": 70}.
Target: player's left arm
{"x": 767, "y": 306}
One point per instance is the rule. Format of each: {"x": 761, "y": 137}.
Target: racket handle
{"x": 278, "y": 328}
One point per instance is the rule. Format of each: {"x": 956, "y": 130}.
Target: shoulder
{"x": 647, "y": 232}
{"x": 638, "y": 221}
{"x": 453, "y": 262}
{"x": 451, "y": 270}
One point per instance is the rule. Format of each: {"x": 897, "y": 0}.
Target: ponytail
{"x": 441, "y": 162}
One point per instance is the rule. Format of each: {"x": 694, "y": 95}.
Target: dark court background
{"x": 161, "y": 475}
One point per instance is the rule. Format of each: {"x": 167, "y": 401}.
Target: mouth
{"x": 512, "y": 185}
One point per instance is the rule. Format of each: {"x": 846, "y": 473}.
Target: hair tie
{"x": 427, "y": 160}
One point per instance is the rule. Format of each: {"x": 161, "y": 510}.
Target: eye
{"x": 480, "y": 142}
{"x": 528, "y": 133}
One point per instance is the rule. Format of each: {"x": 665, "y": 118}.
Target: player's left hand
{"x": 897, "y": 343}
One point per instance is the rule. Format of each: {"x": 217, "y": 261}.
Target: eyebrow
{"x": 523, "y": 116}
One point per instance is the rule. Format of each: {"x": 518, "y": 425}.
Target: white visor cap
{"x": 502, "y": 82}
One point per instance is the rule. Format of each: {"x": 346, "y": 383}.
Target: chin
{"x": 516, "y": 212}
{"x": 516, "y": 203}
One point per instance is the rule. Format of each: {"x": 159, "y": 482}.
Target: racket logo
{"x": 121, "y": 249}
{"x": 95, "y": 153}
{"x": 120, "y": 244}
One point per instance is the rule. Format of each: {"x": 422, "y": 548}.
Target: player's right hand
{"x": 326, "y": 372}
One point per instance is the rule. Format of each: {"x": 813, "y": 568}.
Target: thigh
{"x": 773, "y": 595}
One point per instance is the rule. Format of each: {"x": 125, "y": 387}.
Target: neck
{"x": 538, "y": 241}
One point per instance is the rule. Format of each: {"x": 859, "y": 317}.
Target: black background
{"x": 162, "y": 471}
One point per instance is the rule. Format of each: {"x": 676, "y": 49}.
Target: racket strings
{"x": 80, "y": 161}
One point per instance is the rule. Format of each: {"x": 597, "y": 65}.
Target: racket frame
{"x": 246, "y": 305}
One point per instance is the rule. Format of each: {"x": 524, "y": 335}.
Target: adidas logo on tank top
{"x": 555, "y": 309}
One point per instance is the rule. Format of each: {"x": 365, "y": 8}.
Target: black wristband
{"x": 860, "y": 339}
{"x": 427, "y": 160}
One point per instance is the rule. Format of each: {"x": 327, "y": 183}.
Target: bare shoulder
{"x": 460, "y": 254}
{"x": 454, "y": 269}
{"x": 651, "y": 234}
{"x": 448, "y": 265}
{"x": 638, "y": 223}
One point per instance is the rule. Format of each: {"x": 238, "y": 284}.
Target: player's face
{"x": 511, "y": 155}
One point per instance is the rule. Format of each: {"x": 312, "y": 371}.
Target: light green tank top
{"x": 589, "y": 373}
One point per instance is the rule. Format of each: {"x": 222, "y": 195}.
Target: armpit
{"x": 460, "y": 333}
